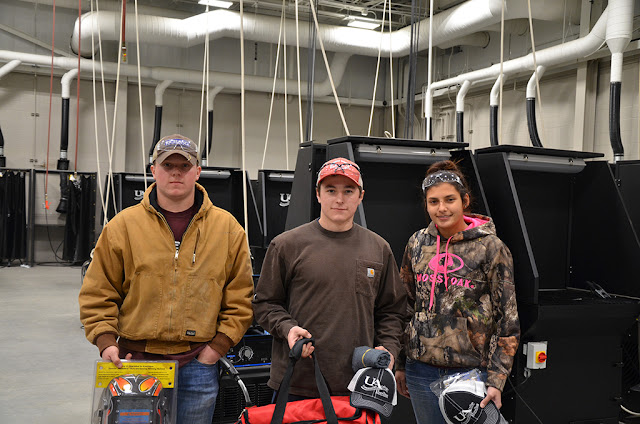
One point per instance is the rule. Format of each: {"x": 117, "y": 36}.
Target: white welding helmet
{"x": 460, "y": 404}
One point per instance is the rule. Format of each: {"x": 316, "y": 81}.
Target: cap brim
{"x": 188, "y": 156}
{"x": 357, "y": 182}
{"x": 359, "y": 400}
{"x": 453, "y": 403}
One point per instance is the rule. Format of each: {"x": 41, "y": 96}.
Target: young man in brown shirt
{"x": 333, "y": 280}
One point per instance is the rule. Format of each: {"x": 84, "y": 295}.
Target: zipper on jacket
{"x": 193, "y": 261}
{"x": 175, "y": 260}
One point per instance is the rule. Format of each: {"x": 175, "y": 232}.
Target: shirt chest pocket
{"x": 368, "y": 274}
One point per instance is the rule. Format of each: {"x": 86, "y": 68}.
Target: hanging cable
{"x": 106, "y": 123}
{"x": 535, "y": 67}
{"x": 273, "y": 90}
{"x": 46, "y": 175}
{"x": 75, "y": 160}
{"x": 111, "y": 186}
{"x": 284, "y": 75}
{"x": 501, "y": 72}
{"x": 208, "y": 53}
{"x": 375, "y": 81}
{"x": 242, "y": 122}
{"x": 326, "y": 64}
{"x": 311, "y": 76}
{"x": 205, "y": 82}
{"x": 429, "y": 71}
{"x": 142, "y": 149}
{"x": 391, "y": 83}
{"x": 408, "y": 121}
{"x": 298, "y": 64}
{"x": 95, "y": 115}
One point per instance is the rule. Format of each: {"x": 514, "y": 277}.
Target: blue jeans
{"x": 425, "y": 403}
{"x": 197, "y": 391}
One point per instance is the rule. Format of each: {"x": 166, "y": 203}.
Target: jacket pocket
{"x": 368, "y": 277}
{"x": 450, "y": 346}
{"x": 138, "y": 318}
{"x": 203, "y": 297}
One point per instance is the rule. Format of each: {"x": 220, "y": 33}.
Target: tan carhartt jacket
{"x": 140, "y": 287}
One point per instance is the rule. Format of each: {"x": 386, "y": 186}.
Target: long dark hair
{"x": 447, "y": 165}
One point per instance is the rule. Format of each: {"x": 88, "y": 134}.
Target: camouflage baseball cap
{"x": 175, "y": 143}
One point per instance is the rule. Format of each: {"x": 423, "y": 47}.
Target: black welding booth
{"x": 274, "y": 196}
{"x": 224, "y": 186}
{"x": 574, "y": 247}
{"x": 393, "y": 205}
{"x": 628, "y": 178}
{"x": 18, "y": 224}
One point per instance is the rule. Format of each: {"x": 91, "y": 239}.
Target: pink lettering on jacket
{"x": 454, "y": 263}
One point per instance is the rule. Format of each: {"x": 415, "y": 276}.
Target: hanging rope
{"x": 142, "y": 149}
{"x": 298, "y": 63}
{"x": 284, "y": 75}
{"x": 75, "y": 160}
{"x": 106, "y": 121}
{"x": 242, "y": 122}
{"x": 95, "y": 114}
{"x": 208, "y": 58}
{"x": 375, "y": 81}
{"x": 393, "y": 117}
{"x": 205, "y": 82}
{"x": 111, "y": 186}
{"x": 429, "y": 70}
{"x": 326, "y": 64}
{"x": 535, "y": 67}
{"x": 501, "y": 73}
{"x": 46, "y": 175}
{"x": 273, "y": 91}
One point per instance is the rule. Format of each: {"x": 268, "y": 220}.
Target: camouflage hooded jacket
{"x": 464, "y": 313}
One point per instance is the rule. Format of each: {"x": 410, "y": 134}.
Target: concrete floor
{"x": 47, "y": 364}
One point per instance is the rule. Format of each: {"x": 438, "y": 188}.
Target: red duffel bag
{"x": 328, "y": 409}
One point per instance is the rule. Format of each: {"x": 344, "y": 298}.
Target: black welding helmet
{"x": 133, "y": 399}
{"x": 460, "y": 404}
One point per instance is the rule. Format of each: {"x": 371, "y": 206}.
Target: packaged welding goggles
{"x": 141, "y": 392}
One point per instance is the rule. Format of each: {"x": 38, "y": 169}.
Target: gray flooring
{"x": 46, "y": 364}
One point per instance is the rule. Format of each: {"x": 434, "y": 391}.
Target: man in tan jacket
{"x": 171, "y": 279}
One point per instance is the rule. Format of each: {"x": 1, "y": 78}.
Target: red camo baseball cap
{"x": 340, "y": 166}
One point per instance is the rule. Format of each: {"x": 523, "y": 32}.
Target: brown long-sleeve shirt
{"x": 344, "y": 288}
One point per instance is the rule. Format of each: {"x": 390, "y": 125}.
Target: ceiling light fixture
{"x": 362, "y": 23}
{"x": 216, "y": 3}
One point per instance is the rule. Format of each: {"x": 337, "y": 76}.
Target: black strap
{"x": 283, "y": 393}
{"x": 329, "y": 412}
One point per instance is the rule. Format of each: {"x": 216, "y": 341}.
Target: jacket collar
{"x": 150, "y": 200}
{"x": 488, "y": 228}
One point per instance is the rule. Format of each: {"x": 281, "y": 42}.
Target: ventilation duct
{"x": 460, "y": 21}
{"x": 552, "y": 56}
{"x": 460, "y": 111}
{"x": 223, "y": 79}
{"x": 619, "y": 28}
{"x": 63, "y": 161}
{"x": 532, "y": 125}
{"x": 157, "y": 118}
{"x": 494, "y": 102}
{"x": 6, "y": 69}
